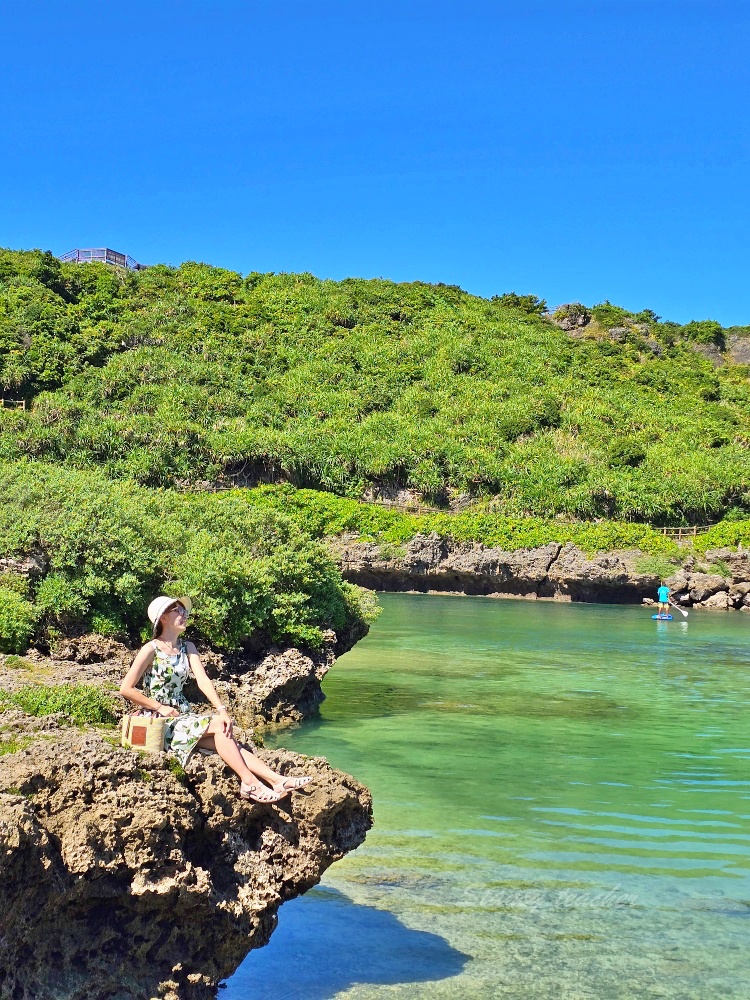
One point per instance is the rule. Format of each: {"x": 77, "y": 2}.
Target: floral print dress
{"x": 164, "y": 681}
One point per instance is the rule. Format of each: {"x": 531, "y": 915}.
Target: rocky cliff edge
{"x": 124, "y": 878}
{"x": 553, "y": 572}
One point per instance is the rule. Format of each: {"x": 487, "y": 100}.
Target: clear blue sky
{"x": 574, "y": 150}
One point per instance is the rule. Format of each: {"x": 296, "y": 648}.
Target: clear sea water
{"x": 562, "y": 810}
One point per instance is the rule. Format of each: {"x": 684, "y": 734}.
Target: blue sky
{"x": 574, "y": 150}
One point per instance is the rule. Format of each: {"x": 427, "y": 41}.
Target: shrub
{"x": 526, "y": 303}
{"x": 17, "y": 620}
{"x": 324, "y": 514}
{"x": 176, "y": 376}
{"x": 111, "y": 546}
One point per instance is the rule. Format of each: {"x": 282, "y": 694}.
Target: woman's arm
{"x": 128, "y": 687}
{"x": 207, "y": 688}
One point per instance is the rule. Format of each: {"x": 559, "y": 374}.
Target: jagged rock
{"x": 526, "y": 568}
{"x": 618, "y": 333}
{"x": 717, "y": 602}
{"x": 738, "y": 349}
{"x": 577, "y": 576}
{"x": 571, "y": 316}
{"x": 283, "y": 687}
{"x": 425, "y": 553}
{"x": 737, "y": 562}
{"x": 705, "y": 585}
{"x": 738, "y": 591}
{"x": 430, "y": 562}
{"x": 679, "y": 581}
{"x": 711, "y": 352}
{"x": 121, "y": 881}
{"x": 30, "y": 566}
{"x": 554, "y": 571}
{"x": 92, "y": 649}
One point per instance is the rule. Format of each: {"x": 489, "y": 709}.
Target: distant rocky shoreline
{"x": 432, "y": 563}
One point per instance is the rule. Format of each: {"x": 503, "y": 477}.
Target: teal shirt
{"x": 663, "y": 595}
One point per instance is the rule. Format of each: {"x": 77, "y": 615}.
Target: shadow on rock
{"x": 325, "y": 943}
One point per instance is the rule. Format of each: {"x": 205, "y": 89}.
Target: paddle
{"x": 682, "y": 611}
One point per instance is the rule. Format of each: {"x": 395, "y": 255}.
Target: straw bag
{"x": 143, "y": 732}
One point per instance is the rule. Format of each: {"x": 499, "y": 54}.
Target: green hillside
{"x": 181, "y": 376}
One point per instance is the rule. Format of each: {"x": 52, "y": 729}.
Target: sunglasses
{"x": 177, "y": 607}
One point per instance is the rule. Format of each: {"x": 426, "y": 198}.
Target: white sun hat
{"x": 160, "y": 604}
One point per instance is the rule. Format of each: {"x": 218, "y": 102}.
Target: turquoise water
{"x": 562, "y": 809}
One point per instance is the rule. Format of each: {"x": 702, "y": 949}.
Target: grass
{"x": 14, "y": 662}
{"x": 81, "y": 704}
{"x": 655, "y": 565}
{"x": 13, "y": 744}
{"x": 175, "y": 768}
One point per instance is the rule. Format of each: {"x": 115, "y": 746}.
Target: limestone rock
{"x": 121, "y": 879}
{"x": 704, "y": 585}
{"x": 30, "y": 566}
{"x": 711, "y": 352}
{"x": 739, "y": 591}
{"x": 716, "y": 602}
{"x": 283, "y": 687}
{"x": 738, "y": 349}
{"x": 679, "y": 582}
{"x": 554, "y": 572}
{"x": 737, "y": 562}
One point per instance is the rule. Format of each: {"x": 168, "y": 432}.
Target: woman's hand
{"x": 226, "y": 721}
{"x": 166, "y": 711}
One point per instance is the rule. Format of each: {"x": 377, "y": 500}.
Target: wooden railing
{"x": 686, "y": 532}
{"x": 13, "y": 404}
{"x": 411, "y": 507}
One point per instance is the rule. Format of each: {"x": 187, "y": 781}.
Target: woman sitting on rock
{"x": 165, "y": 664}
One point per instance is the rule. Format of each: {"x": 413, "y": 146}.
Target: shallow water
{"x": 562, "y": 807}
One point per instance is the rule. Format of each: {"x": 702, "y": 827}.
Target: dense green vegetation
{"x": 177, "y": 376}
{"x": 325, "y": 514}
{"x": 79, "y": 703}
{"x": 110, "y": 546}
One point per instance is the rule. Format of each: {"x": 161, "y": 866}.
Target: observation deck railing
{"x": 105, "y": 255}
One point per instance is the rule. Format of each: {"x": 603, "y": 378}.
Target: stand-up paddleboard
{"x": 662, "y": 618}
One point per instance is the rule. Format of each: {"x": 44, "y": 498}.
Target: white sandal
{"x": 259, "y": 793}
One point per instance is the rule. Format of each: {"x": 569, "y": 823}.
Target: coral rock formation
{"x": 122, "y": 879}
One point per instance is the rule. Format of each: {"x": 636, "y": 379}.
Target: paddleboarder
{"x": 663, "y": 596}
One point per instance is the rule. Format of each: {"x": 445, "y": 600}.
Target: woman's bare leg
{"x": 229, "y": 752}
{"x": 245, "y": 764}
{"x": 256, "y": 765}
